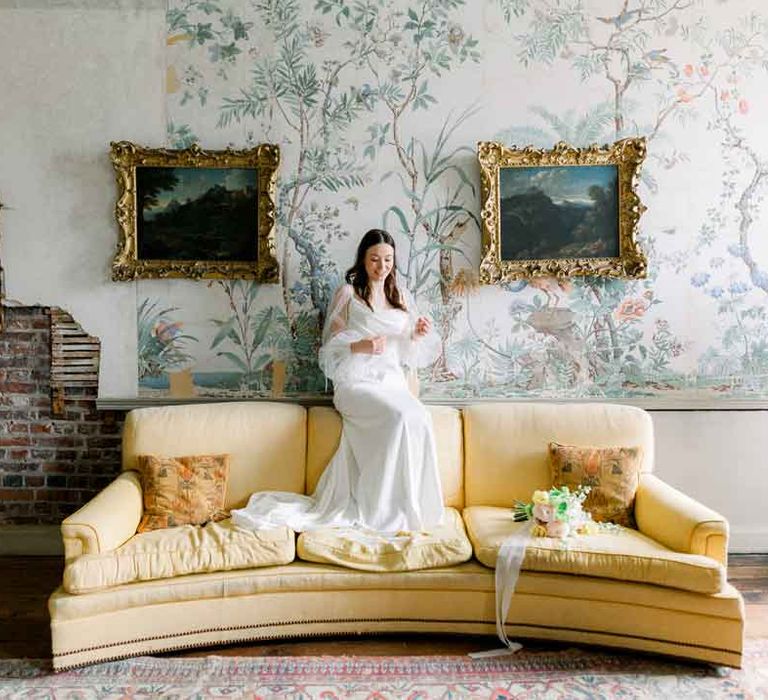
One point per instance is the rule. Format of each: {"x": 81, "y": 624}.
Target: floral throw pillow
{"x": 182, "y": 490}
{"x": 612, "y": 473}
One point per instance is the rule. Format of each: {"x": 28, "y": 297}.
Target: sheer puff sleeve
{"x": 337, "y": 337}
{"x": 417, "y": 351}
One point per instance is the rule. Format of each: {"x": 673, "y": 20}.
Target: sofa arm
{"x": 108, "y": 520}
{"x": 678, "y": 521}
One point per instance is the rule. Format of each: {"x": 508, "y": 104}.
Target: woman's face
{"x": 379, "y": 261}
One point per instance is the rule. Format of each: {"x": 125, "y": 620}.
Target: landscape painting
{"x": 197, "y": 213}
{"x": 555, "y": 212}
{"x": 560, "y": 212}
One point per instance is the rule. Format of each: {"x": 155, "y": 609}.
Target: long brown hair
{"x": 358, "y": 277}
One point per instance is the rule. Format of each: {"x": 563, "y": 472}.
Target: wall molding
{"x": 116, "y": 403}
{"x": 748, "y": 540}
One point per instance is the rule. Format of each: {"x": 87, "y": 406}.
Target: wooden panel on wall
{"x": 74, "y": 358}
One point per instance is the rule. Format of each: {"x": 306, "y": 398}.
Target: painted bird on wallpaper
{"x": 551, "y": 286}
{"x": 658, "y": 59}
{"x": 621, "y": 19}
{"x": 657, "y": 56}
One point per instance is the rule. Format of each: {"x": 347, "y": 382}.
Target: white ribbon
{"x": 508, "y": 565}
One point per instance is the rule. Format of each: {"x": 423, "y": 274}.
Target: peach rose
{"x": 688, "y": 70}
{"x": 558, "y": 528}
{"x": 743, "y": 106}
{"x": 543, "y": 512}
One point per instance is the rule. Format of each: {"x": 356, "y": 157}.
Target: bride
{"x": 384, "y": 475}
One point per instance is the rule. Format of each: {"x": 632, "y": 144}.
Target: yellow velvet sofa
{"x": 661, "y": 588}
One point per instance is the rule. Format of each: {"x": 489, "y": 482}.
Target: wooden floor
{"x": 26, "y": 582}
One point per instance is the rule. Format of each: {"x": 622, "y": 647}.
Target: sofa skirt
{"x": 315, "y": 600}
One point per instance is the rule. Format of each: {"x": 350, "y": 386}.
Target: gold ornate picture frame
{"x": 560, "y": 212}
{"x": 195, "y": 214}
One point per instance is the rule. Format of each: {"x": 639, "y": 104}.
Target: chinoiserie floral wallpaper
{"x": 377, "y": 106}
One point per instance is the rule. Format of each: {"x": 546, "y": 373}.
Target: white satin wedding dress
{"x": 384, "y": 475}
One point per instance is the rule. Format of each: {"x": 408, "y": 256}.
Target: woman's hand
{"x": 374, "y": 345}
{"x": 423, "y": 326}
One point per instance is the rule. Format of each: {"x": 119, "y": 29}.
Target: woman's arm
{"x": 339, "y": 340}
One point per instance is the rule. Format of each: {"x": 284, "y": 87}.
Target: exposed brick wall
{"x": 49, "y": 467}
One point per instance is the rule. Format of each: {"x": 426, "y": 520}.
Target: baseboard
{"x": 749, "y": 540}
{"x": 30, "y": 540}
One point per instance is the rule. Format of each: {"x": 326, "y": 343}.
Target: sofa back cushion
{"x": 324, "y": 432}
{"x": 506, "y": 445}
{"x": 266, "y": 442}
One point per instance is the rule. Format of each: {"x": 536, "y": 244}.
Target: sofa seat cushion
{"x": 369, "y": 551}
{"x": 625, "y": 555}
{"x": 176, "y": 551}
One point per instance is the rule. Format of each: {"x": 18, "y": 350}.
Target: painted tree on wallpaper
{"x": 418, "y": 45}
{"x": 437, "y": 218}
{"x": 252, "y": 339}
{"x": 390, "y": 55}
{"x": 289, "y": 87}
{"x": 310, "y": 104}
{"x": 735, "y": 278}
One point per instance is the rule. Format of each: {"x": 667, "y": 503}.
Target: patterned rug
{"x": 559, "y": 674}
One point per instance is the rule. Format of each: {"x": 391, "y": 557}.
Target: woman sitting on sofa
{"x": 384, "y": 475}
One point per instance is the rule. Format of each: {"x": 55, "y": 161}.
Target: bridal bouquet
{"x": 557, "y": 513}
